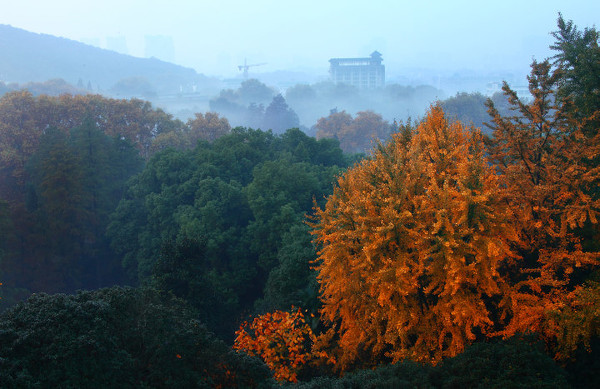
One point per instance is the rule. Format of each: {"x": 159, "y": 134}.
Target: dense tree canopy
{"x": 412, "y": 241}
{"x": 437, "y": 241}
{"x": 117, "y": 337}
{"x": 441, "y": 240}
{"x": 73, "y": 181}
{"x": 64, "y": 162}
{"x": 578, "y": 61}
{"x": 514, "y": 363}
{"x": 355, "y": 135}
{"x": 233, "y": 200}
{"x": 549, "y": 179}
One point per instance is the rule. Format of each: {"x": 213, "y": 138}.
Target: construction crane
{"x": 245, "y": 67}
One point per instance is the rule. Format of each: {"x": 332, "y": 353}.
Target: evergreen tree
{"x": 578, "y": 62}
{"x": 279, "y": 116}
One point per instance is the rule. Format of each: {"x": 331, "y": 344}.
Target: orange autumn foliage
{"x": 412, "y": 241}
{"x": 356, "y": 135}
{"x": 549, "y": 174}
{"x": 437, "y": 241}
{"x": 281, "y": 339}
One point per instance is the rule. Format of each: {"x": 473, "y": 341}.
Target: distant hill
{"x": 30, "y": 57}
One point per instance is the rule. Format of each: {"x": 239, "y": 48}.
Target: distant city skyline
{"x": 214, "y": 38}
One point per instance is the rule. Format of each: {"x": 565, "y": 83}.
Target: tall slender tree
{"x": 544, "y": 161}
{"x": 578, "y": 62}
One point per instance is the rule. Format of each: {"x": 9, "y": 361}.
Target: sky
{"x": 214, "y": 37}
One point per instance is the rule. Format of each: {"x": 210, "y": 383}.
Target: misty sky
{"x": 214, "y": 37}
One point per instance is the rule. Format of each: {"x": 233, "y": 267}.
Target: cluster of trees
{"x": 211, "y": 224}
{"x": 428, "y": 246}
{"x": 117, "y": 338}
{"x": 361, "y": 134}
{"x": 54, "y": 87}
{"x": 246, "y": 106}
{"x": 256, "y": 105}
{"x": 131, "y": 338}
{"x": 444, "y": 238}
{"x": 419, "y": 257}
{"x": 471, "y": 109}
{"x": 249, "y": 104}
{"x": 315, "y": 101}
{"x": 356, "y": 135}
{"x": 64, "y": 163}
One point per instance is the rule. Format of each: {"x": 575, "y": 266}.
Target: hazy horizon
{"x": 215, "y": 37}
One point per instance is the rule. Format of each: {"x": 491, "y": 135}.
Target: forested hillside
{"x": 137, "y": 250}
{"x": 29, "y": 57}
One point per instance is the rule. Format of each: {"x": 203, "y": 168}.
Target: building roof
{"x": 375, "y": 57}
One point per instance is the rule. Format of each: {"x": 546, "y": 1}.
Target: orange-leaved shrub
{"x": 283, "y": 340}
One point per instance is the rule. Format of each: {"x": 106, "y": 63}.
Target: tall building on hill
{"x": 363, "y": 73}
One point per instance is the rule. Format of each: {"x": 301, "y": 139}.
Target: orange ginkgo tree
{"x": 411, "y": 246}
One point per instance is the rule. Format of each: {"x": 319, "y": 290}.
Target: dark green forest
{"x": 138, "y": 250}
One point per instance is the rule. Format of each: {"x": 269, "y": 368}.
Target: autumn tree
{"x": 366, "y": 130}
{"x": 207, "y": 127}
{"x": 357, "y": 134}
{"x": 332, "y": 125}
{"x": 549, "y": 180}
{"x": 23, "y": 119}
{"x": 170, "y": 140}
{"x": 412, "y": 241}
{"x": 282, "y": 340}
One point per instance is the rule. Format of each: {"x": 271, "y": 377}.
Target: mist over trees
{"x": 305, "y": 104}
{"x": 426, "y": 251}
{"x": 356, "y": 135}
{"x": 257, "y": 106}
{"x": 393, "y": 102}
